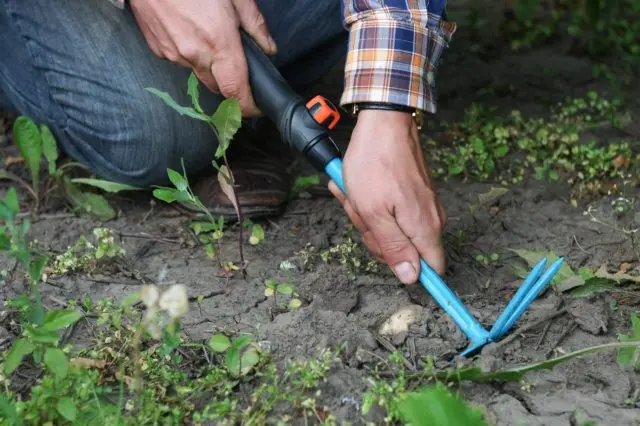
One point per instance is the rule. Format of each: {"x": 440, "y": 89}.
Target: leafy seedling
{"x": 241, "y": 355}
{"x": 256, "y": 232}
{"x": 285, "y": 290}
{"x": 225, "y": 123}
{"x": 37, "y": 143}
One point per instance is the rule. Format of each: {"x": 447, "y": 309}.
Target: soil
{"x": 338, "y": 308}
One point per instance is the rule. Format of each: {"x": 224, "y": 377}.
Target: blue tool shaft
{"x": 430, "y": 280}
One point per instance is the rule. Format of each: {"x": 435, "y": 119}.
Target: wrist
{"x": 385, "y": 110}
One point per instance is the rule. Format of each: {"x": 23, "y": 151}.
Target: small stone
{"x": 396, "y": 327}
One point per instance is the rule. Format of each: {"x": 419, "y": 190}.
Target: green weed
{"x": 508, "y": 150}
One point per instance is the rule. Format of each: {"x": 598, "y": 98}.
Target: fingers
{"x": 255, "y": 25}
{"x": 229, "y": 68}
{"x": 424, "y": 226}
{"x": 397, "y": 250}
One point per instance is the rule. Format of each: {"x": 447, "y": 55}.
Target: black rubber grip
{"x": 286, "y": 108}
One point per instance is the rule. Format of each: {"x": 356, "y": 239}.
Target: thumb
{"x": 253, "y": 22}
{"x": 396, "y": 248}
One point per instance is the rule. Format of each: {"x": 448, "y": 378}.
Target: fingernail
{"x": 405, "y": 272}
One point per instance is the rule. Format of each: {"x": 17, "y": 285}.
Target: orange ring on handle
{"x": 323, "y": 111}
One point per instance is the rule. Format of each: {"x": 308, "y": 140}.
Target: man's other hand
{"x": 392, "y": 200}
{"x": 204, "y": 36}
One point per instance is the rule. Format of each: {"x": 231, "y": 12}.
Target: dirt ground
{"x": 338, "y": 308}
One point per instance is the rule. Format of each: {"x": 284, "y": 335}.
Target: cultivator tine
{"x": 532, "y": 292}
{"x": 505, "y": 316}
{"x": 448, "y": 301}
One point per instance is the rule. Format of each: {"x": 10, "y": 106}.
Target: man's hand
{"x": 204, "y": 36}
{"x": 391, "y": 196}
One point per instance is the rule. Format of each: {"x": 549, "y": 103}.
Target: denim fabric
{"x": 81, "y": 67}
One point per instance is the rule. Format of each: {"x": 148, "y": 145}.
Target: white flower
{"x": 150, "y": 295}
{"x": 175, "y": 301}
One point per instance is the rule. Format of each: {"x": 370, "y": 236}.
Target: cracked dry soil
{"x": 338, "y": 308}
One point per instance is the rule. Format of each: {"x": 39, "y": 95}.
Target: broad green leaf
{"x": 106, "y": 185}
{"x": 303, "y": 182}
{"x": 19, "y": 349}
{"x": 29, "y": 143}
{"x": 11, "y": 201}
{"x": 94, "y": 205}
{"x": 241, "y": 341}
{"x": 628, "y": 357}
{"x": 57, "y": 362}
{"x": 219, "y": 343}
{"x": 5, "y": 242}
{"x": 165, "y": 194}
{"x": 182, "y": 110}
{"x": 436, "y": 406}
{"x": 249, "y": 360}
{"x": 193, "y": 92}
{"x": 177, "y": 180}
{"x": 593, "y": 286}
{"x": 227, "y": 120}
{"x": 533, "y": 257}
{"x": 55, "y": 320}
{"x": 39, "y": 335}
{"x": 475, "y": 374}
{"x": 67, "y": 408}
{"x": 285, "y": 289}
{"x": 233, "y": 361}
{"x": 49, "y": 148}
{"x": 35, "y": 268}
{"x": 8, "y": 411}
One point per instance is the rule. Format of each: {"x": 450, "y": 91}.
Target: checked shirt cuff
{"x": 393, "y": 61}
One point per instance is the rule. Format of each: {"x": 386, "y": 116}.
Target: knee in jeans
{"x": 137, "y": 144}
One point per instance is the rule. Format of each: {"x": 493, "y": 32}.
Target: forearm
{"x": 395, "y": 48}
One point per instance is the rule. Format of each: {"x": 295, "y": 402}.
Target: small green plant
{"x": 241, "y": 354}
{"x": 225, "y": 123}
{"x": 508, "y": 150}
{"x": 273, "y": 289}
{"x": 256, "y": 232}
{"x": 40, "y": 330}
{"x": 351, "y": 256}
{"x": 84, "y": 255}
{"x": 488, "y": 259}
{"x": 37, "y": 143}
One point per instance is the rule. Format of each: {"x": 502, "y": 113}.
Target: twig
{"x": 544, "y": 333}
{"x": 48, "y": 216}
{"x": 389, "y": 346}
{"x": 145, "y": 236}
{"x": 568, "y": 331}
{"x": 530, "y": 326}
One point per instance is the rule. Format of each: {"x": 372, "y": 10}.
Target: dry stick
{"x": 145, "y": 236}
{"x": 568, "y": 331}
{"x": 530, "y": 326}
{"x": 391, "y": 348}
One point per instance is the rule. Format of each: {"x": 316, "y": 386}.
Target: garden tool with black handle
{"x": 304, "y": 126}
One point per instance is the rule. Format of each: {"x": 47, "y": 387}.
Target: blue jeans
{"x": 81, "y": 67}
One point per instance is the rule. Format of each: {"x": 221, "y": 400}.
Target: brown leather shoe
{"x": 262, "y": 183}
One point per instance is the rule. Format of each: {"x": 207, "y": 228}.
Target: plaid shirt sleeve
{"x": 395, "y": 48}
